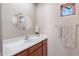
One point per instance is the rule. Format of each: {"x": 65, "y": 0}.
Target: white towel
{"x": 68, "y": 34}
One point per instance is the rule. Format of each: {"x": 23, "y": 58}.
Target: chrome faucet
{"x": 26, "y": 37}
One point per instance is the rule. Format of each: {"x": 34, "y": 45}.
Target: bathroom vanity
{"x": 39, "y": 49}
{"x": 33, "y": 46}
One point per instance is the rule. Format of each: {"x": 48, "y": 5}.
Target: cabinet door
{"x": 24, "y": 53}
{"x": 45, "y": 48}
{"x": 38, "y": 52}
{"x": 35, "y": 47}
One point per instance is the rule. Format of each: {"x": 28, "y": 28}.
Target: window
{"x": 68, "y": 9}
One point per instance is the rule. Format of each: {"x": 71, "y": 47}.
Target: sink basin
{"x": 31, "y": 39}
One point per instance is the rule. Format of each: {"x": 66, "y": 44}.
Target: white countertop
{"x": 16, "y": 45}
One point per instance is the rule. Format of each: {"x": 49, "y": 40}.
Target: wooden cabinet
{"x": 45, "y": 48}
{"x": 39, "y": 49}
{"x": 23, "y": 53}
{"x": 38, "y": 52}
{"x": 35, "y": 47}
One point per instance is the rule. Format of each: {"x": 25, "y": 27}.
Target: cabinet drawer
{"x": 37, "y": 52}
{"x": 23, "y": 53}
{"x": 35, "y": 47}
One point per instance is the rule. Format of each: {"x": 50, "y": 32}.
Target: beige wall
{"x": 0, "y": 32}
{"x": 10, "y": 9}
{"x": 48, "y": 17}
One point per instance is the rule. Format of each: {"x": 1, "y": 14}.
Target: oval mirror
{"x": 22, "y": 21}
